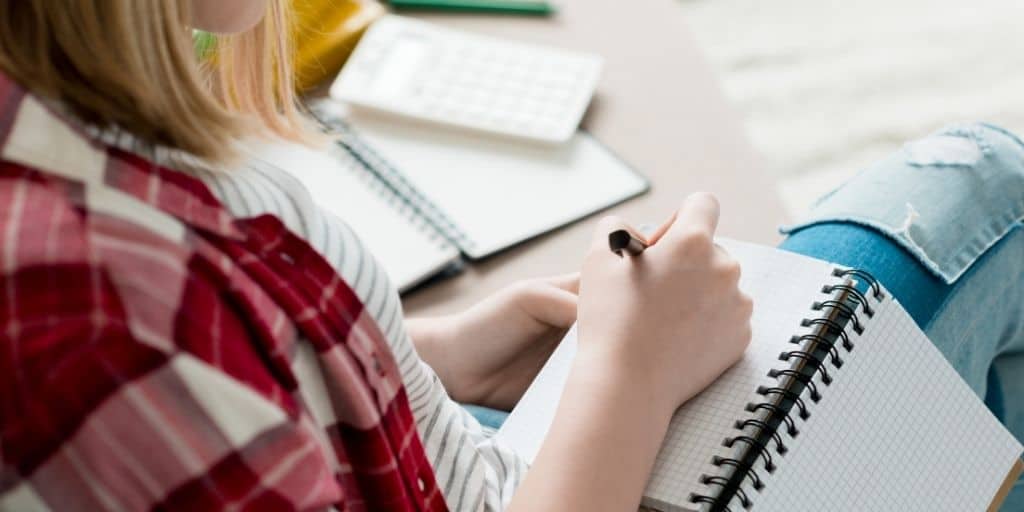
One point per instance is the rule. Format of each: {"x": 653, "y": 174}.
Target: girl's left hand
{"x": 489, "y": 354}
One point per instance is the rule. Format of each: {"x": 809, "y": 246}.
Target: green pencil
{"x": 539, "y": 7}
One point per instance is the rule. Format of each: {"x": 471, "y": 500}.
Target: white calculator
{"x": 412, "y": 68}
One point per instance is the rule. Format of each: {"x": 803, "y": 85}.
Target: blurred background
{"x": 826, "y": 87}
{"x": 822, "y": 88}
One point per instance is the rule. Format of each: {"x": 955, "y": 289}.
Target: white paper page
{"x": 500, "y": 192}
{"x": 897, "y": 430}
{"x": 407, "y": 248}
{"x": 783, "y": 286}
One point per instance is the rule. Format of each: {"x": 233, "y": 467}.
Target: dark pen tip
{"x": 618, "y": 240}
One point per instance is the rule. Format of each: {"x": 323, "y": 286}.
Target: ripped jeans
{"x": 939, "y": 223}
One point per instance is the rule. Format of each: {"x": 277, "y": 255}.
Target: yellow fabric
{"x": 325, "y": 32}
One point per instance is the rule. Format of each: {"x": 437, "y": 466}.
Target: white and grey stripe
{"x": 473, "y": 468}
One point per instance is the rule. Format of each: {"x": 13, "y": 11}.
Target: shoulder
{"x": 39, "y": 221}
{"x": 66, "y": 261}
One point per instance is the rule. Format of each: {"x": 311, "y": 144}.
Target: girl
{"x": 183, "y": 329}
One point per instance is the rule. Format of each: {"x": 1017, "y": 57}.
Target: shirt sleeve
{"x": 475, "y": 470}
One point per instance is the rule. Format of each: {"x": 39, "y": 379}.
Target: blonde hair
{"x": 132, "y": 65}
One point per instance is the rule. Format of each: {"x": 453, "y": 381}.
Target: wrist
{"x": 601, "y": 406}
{"x": 612, "y": 376}
{"x": 425, "y": 334}
{"x": 432, "y": 339}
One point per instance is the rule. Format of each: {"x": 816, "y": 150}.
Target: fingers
{"x": 552, "y": 306}
{"x": 568, "y": 282}
{"x": 662, "y": 229}
{"x": 697, "y": 216}
{"x": 605, "y": 226}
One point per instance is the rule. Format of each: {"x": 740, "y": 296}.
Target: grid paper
{"x": 897, "y": 430}
{"x": 783, "y": 286}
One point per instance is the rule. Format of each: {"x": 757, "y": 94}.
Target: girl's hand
{"x": 489, "y": 354}
{"x": 654, "y": 330}
{"x": 667, "y": 322}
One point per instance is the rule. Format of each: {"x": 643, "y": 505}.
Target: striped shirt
{"x": 474, "y": 469}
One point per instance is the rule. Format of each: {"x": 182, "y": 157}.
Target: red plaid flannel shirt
{"x": 150, "y": 346}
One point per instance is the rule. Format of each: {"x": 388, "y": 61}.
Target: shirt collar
{"x": 29, "y": 131}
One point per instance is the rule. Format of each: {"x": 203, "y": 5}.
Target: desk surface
{"x": 659, "y": 106}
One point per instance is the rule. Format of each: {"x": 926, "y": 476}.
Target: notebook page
{"x": 897, "y": 430}
{"x": 408, "y": 249}
{"x": 783, "y": 286}
{"x": 500, "y": 192}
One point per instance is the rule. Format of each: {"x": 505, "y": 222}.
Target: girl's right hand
{"x": 669, "y": 321}
{"x": 654, "y": 330}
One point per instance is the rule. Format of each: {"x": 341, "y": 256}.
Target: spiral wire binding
{"x": 803, "y": 378}
{"x": 845, "y": 309}
{"x": 778, "y": 412}
{"x": 854, "y": 294}
{"x": 399, "y": 186}
{"x": 788, "y": 394}
{"x": 392, "y": 199}
{"x": 755, "y": 480}
{"x": 837, "y": 361}
{"x": 762, "y": 433}
{"x": 817, "y": 364}
{"x": 781, "y": 447}
{"x": 876, "y": 289}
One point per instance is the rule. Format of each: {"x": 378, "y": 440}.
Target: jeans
{"x": 939, "y": 224}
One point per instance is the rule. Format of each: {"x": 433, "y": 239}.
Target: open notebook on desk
{"x": 894, "y": 427}
{"x": 489, "y": 194}
{"x": 419, "y": 196}
{"x": 484, "y": 193}
{"x": 405, "y": 244}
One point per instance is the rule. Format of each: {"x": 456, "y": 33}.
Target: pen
{"x": 622, "y": 240}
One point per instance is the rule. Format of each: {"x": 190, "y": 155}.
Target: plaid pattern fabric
{"x": 155, "y": 351}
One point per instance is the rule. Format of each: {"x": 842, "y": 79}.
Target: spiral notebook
{"x": 422, "y": 199}
{"x": 405, "y": 244}
{"x": 483, "y": 193}
{"x": 841, "y": 403}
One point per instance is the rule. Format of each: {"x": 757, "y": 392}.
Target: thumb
{"x": 568, "y": 282}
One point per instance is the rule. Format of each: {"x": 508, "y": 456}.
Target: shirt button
{"x": 422, "y": 484}
{"x": 377, "y": 366}
{"x": 287, "y": 258}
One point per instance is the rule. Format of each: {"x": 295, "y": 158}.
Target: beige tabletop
{"x": 659, "y": 106}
